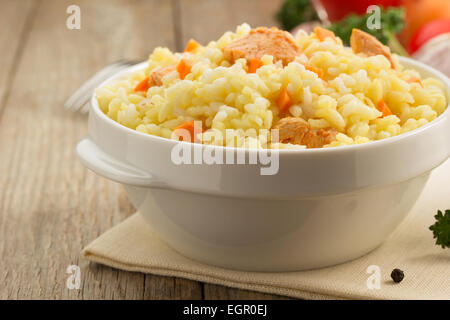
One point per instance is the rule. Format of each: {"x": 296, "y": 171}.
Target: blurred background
{"x": 417, "y": 28}
{"x": 50, "y": 206}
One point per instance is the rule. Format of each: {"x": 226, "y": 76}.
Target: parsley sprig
{"x": 441, "y": 229}
{"x": 391, "y": 22}
{"x": 295, "y": 12}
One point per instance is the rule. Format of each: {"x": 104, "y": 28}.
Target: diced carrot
{"x": 284, "y": 100}
{"x": 143, "y": 85}
{"x": 316, "y": 70}
{"x": 323, "y": 33}
{"x": 184, "y": 68}
{"x": 192, "y": 45}
{"x": 383, "y": 108}
{"x": 191, "y": 128}
{"x": 254, "y": 64}
{"x": 414, "y": 79}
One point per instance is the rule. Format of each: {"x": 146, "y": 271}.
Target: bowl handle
{"x": 98, "y": 161}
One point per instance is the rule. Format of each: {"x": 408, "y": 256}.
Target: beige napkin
{"x": 133, "y": 246}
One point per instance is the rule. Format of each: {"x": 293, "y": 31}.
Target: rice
{"x": 229, "y": 100}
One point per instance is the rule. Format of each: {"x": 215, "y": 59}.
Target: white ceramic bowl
{"x": 324, "y": 207}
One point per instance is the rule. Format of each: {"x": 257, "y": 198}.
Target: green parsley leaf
{"x": 294, "y": 12}
{"x": 392, "y": 21}
{"x": 441, "y": 229}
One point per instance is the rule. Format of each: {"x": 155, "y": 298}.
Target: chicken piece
{"x": 292, "y": 130}
{"x": 298, "y": 131}
{"x": 362, "y": 42}
{"x": 317, "y": 138}
{"x": 323, "y": 33}
{"x": 156, "y": 76}
{"x": 263, "y": 41}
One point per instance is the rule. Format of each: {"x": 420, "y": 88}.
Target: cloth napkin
{"x": 133, "y": 246}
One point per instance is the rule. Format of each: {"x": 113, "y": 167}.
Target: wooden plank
{"x": 163, "y": 288}
{"x": 50, "y": 205}
{"x": 14, "y": 16}
{"x": 206, "y": 20}
{"x": 215, "y": 292}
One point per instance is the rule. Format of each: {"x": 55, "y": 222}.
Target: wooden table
{"x": 50, "y": 205}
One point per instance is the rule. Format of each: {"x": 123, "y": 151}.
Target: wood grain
{"x": 216, "y": 292}
{"x": 212, "y": 18}
{"x": 51, "y": 206}
{"x": 15, "y": 17}
{"x": 208, "y": 20}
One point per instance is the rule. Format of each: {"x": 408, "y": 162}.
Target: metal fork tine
{"x": 81, "y": 97}
{"x": 85, "y": 108}
{"x": 69, "y": 104}
{"x": 82, "y": 100}
{"x": 85, "y": 91}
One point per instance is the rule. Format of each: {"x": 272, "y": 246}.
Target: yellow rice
{"x": 225, "y": 96}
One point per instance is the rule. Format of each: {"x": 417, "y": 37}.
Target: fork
{"x": 79, "y": 101}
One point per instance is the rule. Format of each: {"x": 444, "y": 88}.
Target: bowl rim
{"x": 410, "y": 63}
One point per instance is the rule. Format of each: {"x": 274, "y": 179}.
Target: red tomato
{"x": 420, "y": 12}
{"x": 428, "y": 31}
{"x": 337, "y": 10}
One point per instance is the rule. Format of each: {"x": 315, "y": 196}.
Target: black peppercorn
{"x": 397, "y": 275}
